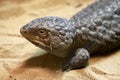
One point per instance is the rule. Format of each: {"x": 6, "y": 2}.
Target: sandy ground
{"x": 21, "y": 60}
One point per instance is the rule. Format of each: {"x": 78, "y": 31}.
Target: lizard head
{"x": 52, "y": 34}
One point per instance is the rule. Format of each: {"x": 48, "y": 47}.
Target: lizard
{"x": 94, "y": 29}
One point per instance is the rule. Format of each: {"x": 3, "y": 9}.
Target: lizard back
{"x": 99, "y": 23}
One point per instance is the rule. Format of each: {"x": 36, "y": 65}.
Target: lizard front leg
{"x": 78, "y": 60}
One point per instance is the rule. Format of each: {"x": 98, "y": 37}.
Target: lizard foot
{"x": 79, "y": 60}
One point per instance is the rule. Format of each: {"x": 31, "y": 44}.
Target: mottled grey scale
{"x": 30, "y": 25}
{"x": 92, "y": 33}
{"x": 85, "y": 30}
{"x": 106, "y": 24}
{"x": 62, "y": 44}
{"x": 101, "y": 29}
{"x": 62, "y": 32}
{"x": 62, "y": 38}
{"x": 68, "y": 41}
{"x": 34, "y": 23}
{"x": 98, "y": 21}
{"x": 107, "y": 16}
{"x": 117, "y": 31}
{"x": 55, "y": 33}
{"x": 79, "y": 32}
{"x": 67, "y": 36}
{"x": 95, "y": 36}
{"x": 111, "y": 34}
{"x": 92, "y": 28}
{"x": 89, "y": 24}
{"x": 108, "y": 9}
{"x": 114, "y": 24}
{"x": 72, "y": 34}
{"x": 58, "y": 28}
{"x": 65, "y": 29}
{"x": 117, "y": 11}
{"x": 116, "y": 18}
{"x": 107, "y": 38}
{"x": 100, "y": 36}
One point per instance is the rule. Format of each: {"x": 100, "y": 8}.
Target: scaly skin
{"x": 95, "y": 29}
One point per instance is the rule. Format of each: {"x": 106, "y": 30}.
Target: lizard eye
{"x": 43, "y": 33}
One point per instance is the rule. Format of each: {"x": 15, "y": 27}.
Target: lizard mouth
{"x": 40, "y": 44}
{"x": 34, "y": 39}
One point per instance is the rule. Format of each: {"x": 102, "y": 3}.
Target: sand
{"x": 21, "y": 60}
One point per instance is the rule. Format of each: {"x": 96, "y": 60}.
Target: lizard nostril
{"x": 23, "y": 31}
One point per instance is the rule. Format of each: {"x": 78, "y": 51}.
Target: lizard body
{"x": 95, "y": 29}
{"x": 98, "y": 24}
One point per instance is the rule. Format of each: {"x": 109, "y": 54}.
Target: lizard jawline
{"x": 40, "y": 44}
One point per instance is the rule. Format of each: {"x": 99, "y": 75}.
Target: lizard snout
{"x": 23, "y": 30}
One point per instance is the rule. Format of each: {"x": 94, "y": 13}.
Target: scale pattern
{"x": 99, "y": 22}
